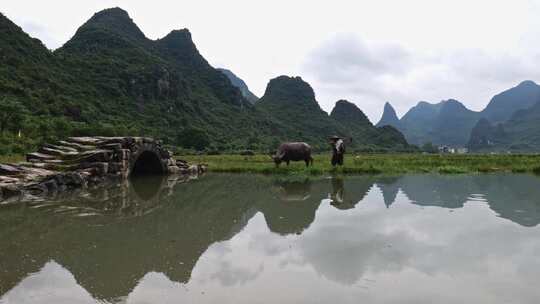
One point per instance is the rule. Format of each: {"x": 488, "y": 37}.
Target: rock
{"x": 54, "y": 152}
{"x": 94, "y": 156}
{"x": 9, "y": 190}
{"x": 85, "y": 140}
{"x": 182, "y": 164}
{"x": 203, "y": 168}
{"x": 38, "y": 189}
{"x": 193, "y": 169}
{"x": 111, "y": 146}
{"x": 165, "y": 154}
{"x": 38, "y": 157}
{"x": 115, "y": 167}
{"x": 60, "y": 148}
{"x": 9, "y": 170}
{"x": 8, "y": 180}
{"x": 174, "y": 170}
{"x": 74, "y": 180}
{"x": 51, "y": 185}
{"x": 78, "y": 147}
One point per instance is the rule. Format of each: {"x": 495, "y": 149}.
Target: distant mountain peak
{"x": 178, "y": 39}
{"x": 528, "y": 83}
{"x": 113, "y": 11}
{"x": 452, "y": 104}
{"x": 179, "y": 34}
{"x": 290, "y": 90}
{"x": 345, "y": 111}
{"x": 423, "y": 103}
{"x": 240, "y": 84}
{"x": 503, "y": 105}
{"x": 389, "y": 116}
{"x": 115, "y": 20}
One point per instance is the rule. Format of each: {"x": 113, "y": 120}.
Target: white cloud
{"x": 388, "y": 50}
{"x": 370, "y": 73}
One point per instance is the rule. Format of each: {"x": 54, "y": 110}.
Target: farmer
{"x": 338, "y": 150}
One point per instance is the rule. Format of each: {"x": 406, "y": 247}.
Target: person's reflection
{"x": 357, "y": 189}
{"x": 337, "y": 196}
{"x": 337, "y": 191}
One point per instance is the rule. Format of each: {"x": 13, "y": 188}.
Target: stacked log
{"x": 81, "y": 161}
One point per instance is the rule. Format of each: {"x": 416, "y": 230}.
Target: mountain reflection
{"x": 110, "y": 238}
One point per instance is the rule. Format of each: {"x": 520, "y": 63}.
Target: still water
{"x": 256, "y": 239}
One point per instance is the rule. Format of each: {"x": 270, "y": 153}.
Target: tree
{"x": 429, "y": 148}
{"x": 11, "y": 113}
{"x": 253, "y": 141}
{"x": 193, "y": 138}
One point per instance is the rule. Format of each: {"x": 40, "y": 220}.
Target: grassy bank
{"x": 364, "y": 164}
{"x": 15, "y": 158}
{"x": 376, "y": 164}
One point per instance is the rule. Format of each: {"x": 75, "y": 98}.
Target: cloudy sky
{"x": 368, "y": 52}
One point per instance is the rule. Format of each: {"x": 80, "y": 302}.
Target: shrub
{"x": 193, "y": 138}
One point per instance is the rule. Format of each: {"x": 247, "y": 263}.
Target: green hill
{"x": 446, "y": 123}
{"x": 364, "y": 134}
{"x": 453, "y": 124}
{"x": 503, "y": 105}
{"x": 520, "y": 133}
{"x": 389, "y": 117}
{"x": 291, "y": 102}
{"x": 512, "y": 121}
{"x": 110, "y": 79}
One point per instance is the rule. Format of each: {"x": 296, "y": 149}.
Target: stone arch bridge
{"x": 82, "y": 161}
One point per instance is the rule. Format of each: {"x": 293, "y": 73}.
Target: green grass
{"x": 375, "y": 164}
{"x": 9, "y": 159}
{"x": 364, "y": 164}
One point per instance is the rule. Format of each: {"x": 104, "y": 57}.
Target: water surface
{"x": 256, "y": 239}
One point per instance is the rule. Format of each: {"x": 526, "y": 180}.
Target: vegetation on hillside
{"x": 291, "y": 102}
{"x": 366, "y": 135}
{"x": 521, "y": 133}
{"x": 109, "y": 80}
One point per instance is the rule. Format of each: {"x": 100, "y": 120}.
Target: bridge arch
{"x": 147, "y": 163}
{"x": 147, "y": 159}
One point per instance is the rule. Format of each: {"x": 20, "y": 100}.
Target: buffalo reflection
{"x": 294, "y": 190}
{"x": 295, "y": 208}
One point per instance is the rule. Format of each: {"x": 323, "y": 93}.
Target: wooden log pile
{"x": 81, "y": 161}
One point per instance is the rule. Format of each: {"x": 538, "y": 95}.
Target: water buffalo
{"x": 293, "y": 151}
